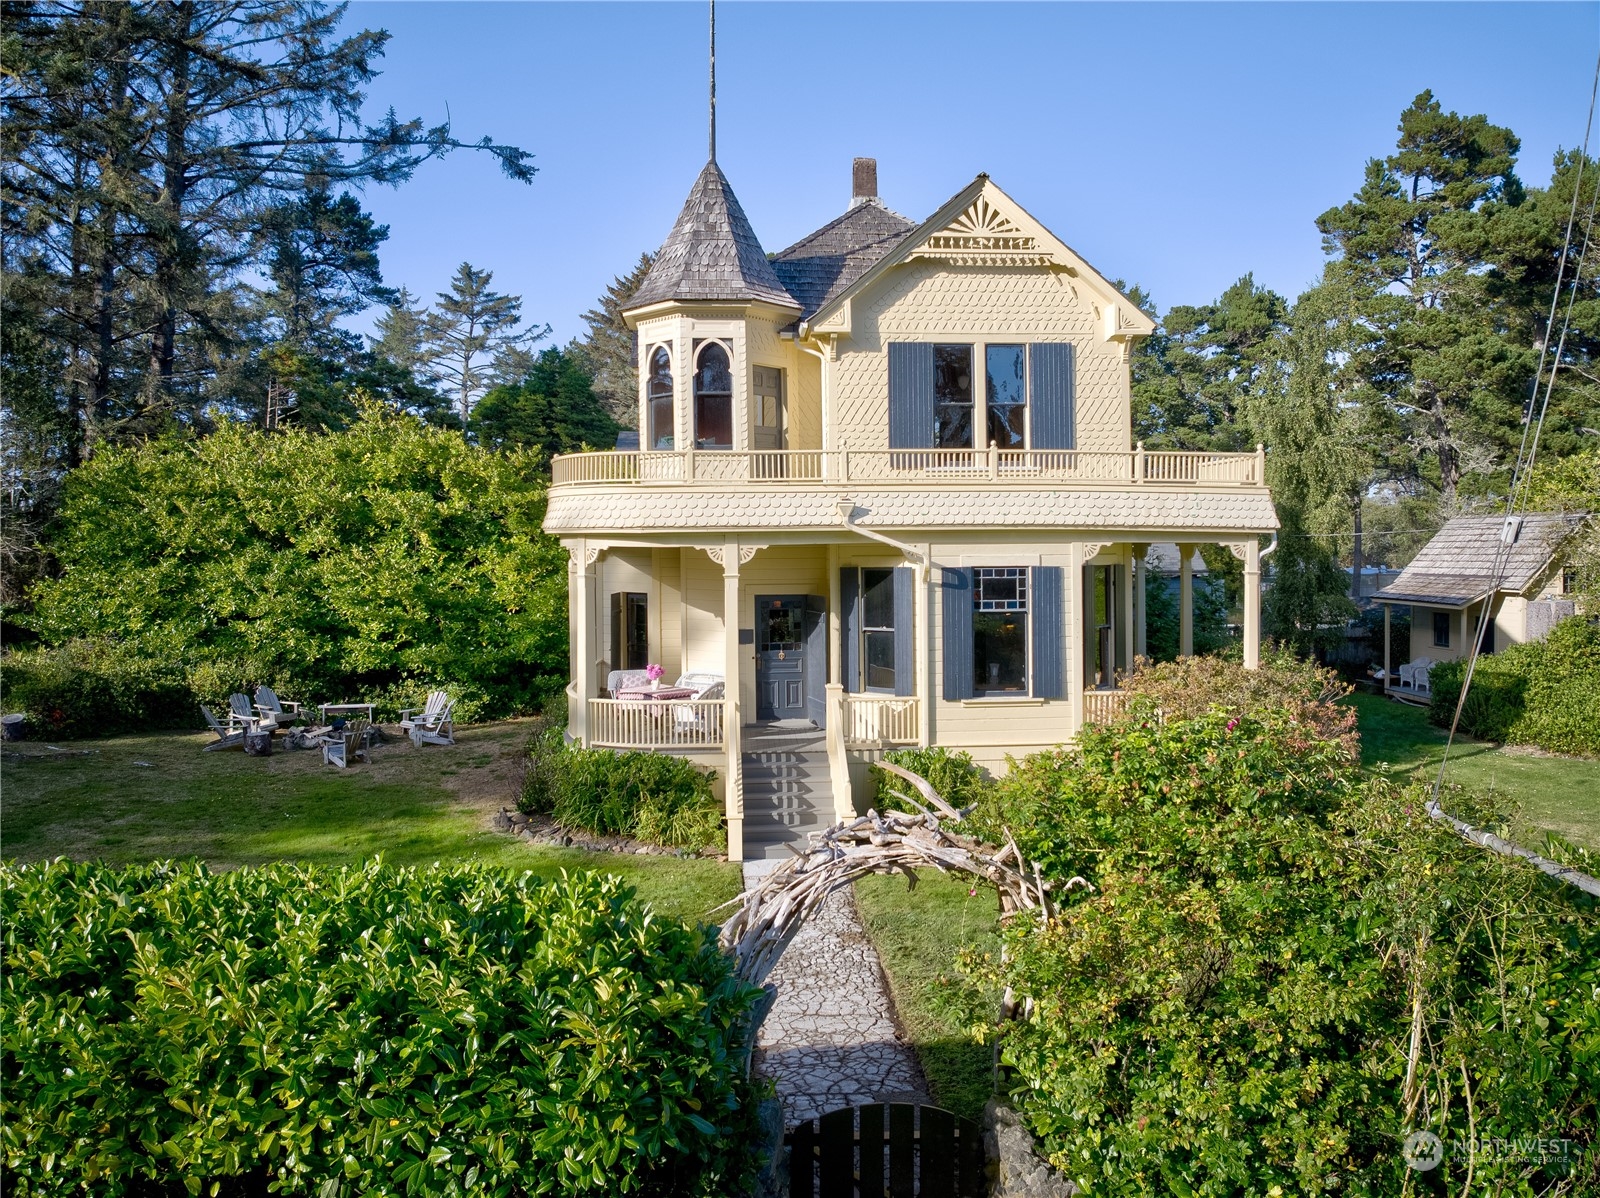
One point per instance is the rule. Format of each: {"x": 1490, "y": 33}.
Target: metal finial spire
{"x": 713, "y": 80}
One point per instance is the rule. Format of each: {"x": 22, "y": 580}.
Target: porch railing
{"x": 877, "y": 721}
{"x": 720, "y": 466}
{"x": 655, "y": 724}
{"x": 1101, "y": 707}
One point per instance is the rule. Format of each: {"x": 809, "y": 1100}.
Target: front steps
{"x": 787, "y": 790}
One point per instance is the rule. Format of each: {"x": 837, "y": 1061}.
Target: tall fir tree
{"x": 611, "y": 348}
{"x": 553, "y": 408}
{"x": 468, "y": 329}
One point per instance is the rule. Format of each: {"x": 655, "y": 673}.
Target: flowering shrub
{"x": 313, "y": 1031}
{"x": 1281, "y": 970}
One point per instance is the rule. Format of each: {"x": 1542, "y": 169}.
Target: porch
{"x": 856, "y": 644}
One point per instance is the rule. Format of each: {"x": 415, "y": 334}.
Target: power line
{"x": 1527, "y": 453}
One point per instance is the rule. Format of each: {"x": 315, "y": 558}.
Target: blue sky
{"x": 1174, "y": 145}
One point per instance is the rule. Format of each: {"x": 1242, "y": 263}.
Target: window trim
{"x": 866, "y": 629}
{"x": 700, "y": 348}
{"x": 1447, "y": 621}
{"x": 650, "y": 397}
{"x": 1024, "y": 577}
{"x": 979, "y": 389}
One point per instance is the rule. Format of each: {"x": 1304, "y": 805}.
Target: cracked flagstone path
{"x": 830, "y": 1039}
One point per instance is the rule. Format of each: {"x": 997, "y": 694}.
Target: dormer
{"x": 709, "y": 300}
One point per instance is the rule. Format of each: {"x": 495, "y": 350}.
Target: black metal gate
{"x": 886, "y": 1150}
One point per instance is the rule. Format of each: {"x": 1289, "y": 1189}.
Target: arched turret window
{"x": 658, "y": 399}
{"x": 713, "y": 398}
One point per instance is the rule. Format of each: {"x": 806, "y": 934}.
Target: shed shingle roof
{"x": 822, "y": 264}
{"x": 712, "y": 252}
{"x": 1457, "y": 566}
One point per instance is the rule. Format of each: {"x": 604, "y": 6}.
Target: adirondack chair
{"x": 228, "y": 735}
{"x": 243, "y": 713}
{"x": 274, "y": 709}
{"x": 350, "y": 741}
{"x": 431, "y": 725}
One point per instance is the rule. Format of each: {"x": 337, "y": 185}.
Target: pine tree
{"x": 611, "y": 347}
{"x": 553, "y": 409}
{"x": 403, "y": 337}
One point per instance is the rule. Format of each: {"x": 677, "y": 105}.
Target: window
{"x": 630, "y": 630}
{"x": 1569, "y": 580}
{"x": 1441, "y": 629}
{"x": 1006, "y": 392}
{"x": 658, "y": 399}
{"x": 713, "y": 398}
{"x": 1000, "y": 630}
{"x": 877, "y": 629}
{"x": 952, "y": 396}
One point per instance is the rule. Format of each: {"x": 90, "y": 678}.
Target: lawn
{"x": 918, "y": 934}
{"x": 1556, "y": 794}
{"x": 155, "y": 795}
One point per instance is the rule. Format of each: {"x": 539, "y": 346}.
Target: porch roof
{"x": 576, "y": 510}
{"x": 1458, "y": 566}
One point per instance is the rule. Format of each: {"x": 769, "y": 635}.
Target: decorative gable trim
{"x": 983, "y": 235}
{"x": 982, "y": 226}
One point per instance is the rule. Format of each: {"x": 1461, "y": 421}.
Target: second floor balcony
{"x": 719, "y": 469}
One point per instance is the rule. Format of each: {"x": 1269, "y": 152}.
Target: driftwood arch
{"x": 769, "y": 915}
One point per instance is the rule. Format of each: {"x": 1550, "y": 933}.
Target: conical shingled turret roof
{"x": 712, "y": 253}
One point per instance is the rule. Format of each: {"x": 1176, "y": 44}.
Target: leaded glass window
{"x": 1000, "y": 630}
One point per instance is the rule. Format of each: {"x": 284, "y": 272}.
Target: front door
{"x": 780, "y": 657}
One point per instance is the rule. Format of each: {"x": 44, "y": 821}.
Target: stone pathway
{"x": 830, "y": 1040}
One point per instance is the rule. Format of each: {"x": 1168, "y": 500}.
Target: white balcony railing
{"x": 1101, "y": 707}
{"x": 655, "y": 723}
{"x": 880, "y": 721}
{"x": 716, "y": 467}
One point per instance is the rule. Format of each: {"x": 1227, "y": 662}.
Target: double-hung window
{"x": 952, "y": 396}
{"x": 1000, "y": 631}
{"x": 877, "y": 629}
{"x": 1006, "y": 395}
{"x": 1441, "y": 629}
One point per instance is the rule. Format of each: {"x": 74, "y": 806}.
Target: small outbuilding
{"x": 1516, "y": 565}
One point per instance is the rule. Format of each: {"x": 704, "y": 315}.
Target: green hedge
{"x": 1544, "y": 693}
{"x": 654, "y": 797}
{"x": 97, "y": 688}
{"x": 951, "y": 772}
{"x": 379, "y": 1030}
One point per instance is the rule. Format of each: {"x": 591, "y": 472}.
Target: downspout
{"x": 822, "y": 388}
{"x": 1269, "y": 550}
{"x": 847, "y": 516}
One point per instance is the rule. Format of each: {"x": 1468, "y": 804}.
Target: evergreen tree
{"x": 611, "y": 348}
{"x": 469, "y": 330}
{"x": 553, "y": 409}
{"x": 1415, "y": 246}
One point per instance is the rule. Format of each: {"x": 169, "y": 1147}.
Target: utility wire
{"x": 1518, "y": 494}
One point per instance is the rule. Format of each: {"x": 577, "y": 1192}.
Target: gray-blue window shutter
{"x": 850, "y": 628}
{"x": 910, "y": 395}
{"x": 956, "y": 586}
{"x": 1049, "y": 651}
{"x": 1051, "y": 395}
{"x": 905, "y": 641}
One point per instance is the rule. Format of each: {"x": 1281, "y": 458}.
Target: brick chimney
{"x": 863, "y": 180}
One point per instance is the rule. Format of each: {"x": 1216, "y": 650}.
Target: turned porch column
{"x": 732, "y": 736}
{"x": 1185, "y": 600}
{"x": 580, "y": 614}
{"x": 1252, "y": 604}
{"x": 1137, "y": 572}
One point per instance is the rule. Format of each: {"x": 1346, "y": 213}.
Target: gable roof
{"x": 821, "y": 265}
{"x": 1457, "y": 566}
{"x": 1132, "y": 320}
{"x": 712, "y": 253}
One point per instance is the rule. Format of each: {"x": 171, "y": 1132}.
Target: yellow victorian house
{"x": 885, "y": 494}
